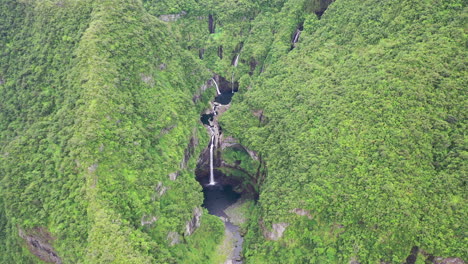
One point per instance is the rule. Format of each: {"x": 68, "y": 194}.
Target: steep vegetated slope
{"x": 362, "y": 130}
{"x": 359, "y": 125}
{"x": 98, "y": 137}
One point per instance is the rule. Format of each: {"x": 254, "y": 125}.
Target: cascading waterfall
{"x": 216, "y": 84}
{"x": 212, "y": 182}
{"x": 214, "y": 109}
{"x": 219, "y": 195}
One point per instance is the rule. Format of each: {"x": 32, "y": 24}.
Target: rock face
{"x": 189, "y": 151}
{"x": 38, "y": 241}
{"x": 194, "y": 223}
{"x": 173, "y": 176}
{"x": 276, "y": 232}
{"x": 440, "y": 260}
{"x": 226, "y": 142}
{"x": 302, "y": 212}
{"x": 148, "y": 220}
{"x": 173, "y": 237}
{"x": 172, "y": 17}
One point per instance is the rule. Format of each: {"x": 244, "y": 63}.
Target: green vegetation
{"x": 359, "y": 129}
{"x": 364, "y": 129}
{"x": 97, "y": 111}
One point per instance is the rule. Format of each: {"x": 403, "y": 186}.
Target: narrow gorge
{"x": 223, "y": 194}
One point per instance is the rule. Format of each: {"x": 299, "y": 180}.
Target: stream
{"x": 218, "y": 197}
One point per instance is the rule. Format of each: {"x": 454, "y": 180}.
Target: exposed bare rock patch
{"x": 195, "y": 222}
{"x": 276, "y": 232}
{"x": 172, "y": 17}
{"x": 440, "y": 260}
{"x": 173, "y": 176}
{"x": 173, "y": 238}
{"x": 39, "y": 242}
{"x": 148, "y": 220}
{"x": 302, "y": 212}
{"x": 189, "y": 151}
{"x": 148, "y": 79}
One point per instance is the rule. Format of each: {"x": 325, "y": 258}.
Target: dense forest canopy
{"x": 356, "y": 111}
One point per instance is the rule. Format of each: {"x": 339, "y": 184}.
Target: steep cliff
{"x": 97, "y": 113}
{"x": 347, "y": 126}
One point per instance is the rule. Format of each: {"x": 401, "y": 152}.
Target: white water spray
{"x": 216, "y": 84}
{"x": 296, "y": 36}
{"x": 236, "y": 60}
{"x": 212, "y": 182}
{"x": 214, "y": 109}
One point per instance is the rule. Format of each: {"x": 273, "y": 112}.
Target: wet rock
{"x": 39, "y": 242}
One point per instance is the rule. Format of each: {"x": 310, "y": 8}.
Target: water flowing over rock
{"x": 212, "y": 181}
{"x": 39, "y": 243}
{"x": 194, "y": 223}
{"x": 235, "y": 60}
{"x": 296, "y": 36}
{"x": 216, "y": 84}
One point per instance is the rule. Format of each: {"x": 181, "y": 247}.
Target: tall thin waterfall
{"x": 212, "y": 182}
{"x": 296, "y": 36}
{"x": 216, "y": 84}
{"x": 236, "y": 60}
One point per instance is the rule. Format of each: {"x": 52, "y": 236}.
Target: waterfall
{"x": 234, "y": 63}
{"x": 296, "y": 36}
{"x": 216, "y": 84}
{"x": 214, "y": 109}
{"x": 236, "y": 60}
{"x": 212, "y": 182}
